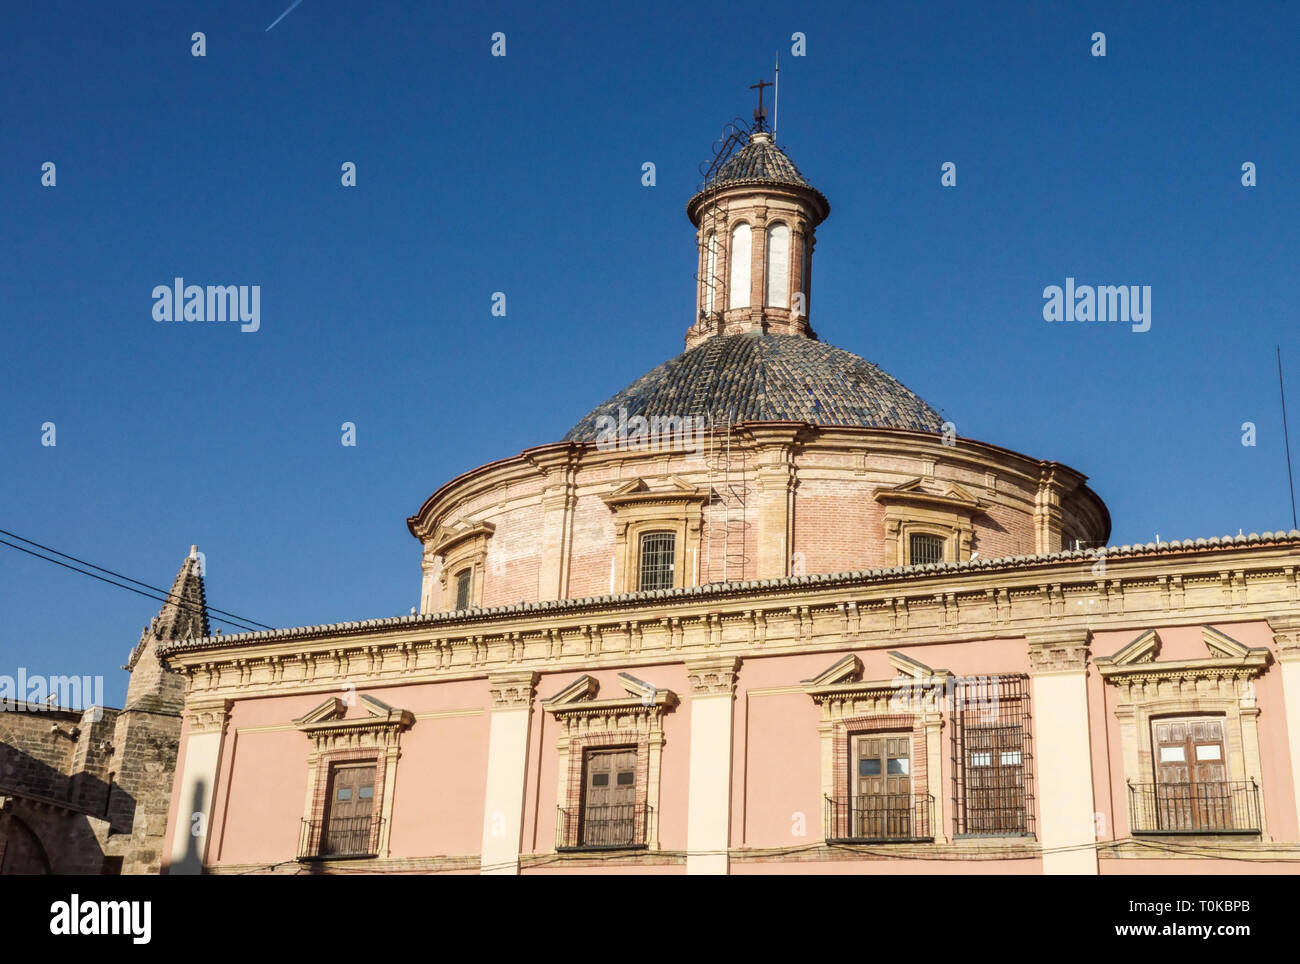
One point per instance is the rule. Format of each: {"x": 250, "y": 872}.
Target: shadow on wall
{"x": 191, "y": 861}
{"x": 46, "y": 817}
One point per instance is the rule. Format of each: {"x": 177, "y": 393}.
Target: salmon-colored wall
{"x": 437, "y": 796}
{"x": 437, "y": 807}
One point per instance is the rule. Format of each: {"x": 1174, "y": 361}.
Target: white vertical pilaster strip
{"x": 189, "y": 836}
{"x": 1063, "y": 749}
{"x": 507, "y": 771}
{"x": 708, "y": 826}
{"x": 1286, "y": 634}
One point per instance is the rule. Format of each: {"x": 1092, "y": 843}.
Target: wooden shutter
{"x": 882, "y": 781}
{"x": 1191, "y": 774}
{"x": 609, "y": 805}
{"x": 351, "y": 810}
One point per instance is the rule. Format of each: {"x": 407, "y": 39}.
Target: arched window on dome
{"x": 711, "y": 279}
{"x": 739, "y": 265}
{"x": 778, "y": 266}
{"x": 658, "y": 559}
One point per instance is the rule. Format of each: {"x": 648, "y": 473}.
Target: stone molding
{"x": 809, "y": 613}
{"x": 1058, "y": 651}
{"x": 1286, "y": 634}
{"x": 208, "y": 715}
{"x": 513, "y": 690}
{"x": 712, "y": 675}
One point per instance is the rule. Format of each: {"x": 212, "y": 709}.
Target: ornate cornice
{"x": 948, "y": 603}
{"x": 1171, "y": 570}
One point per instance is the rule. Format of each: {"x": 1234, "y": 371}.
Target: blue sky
{"x": 522, "y": 174}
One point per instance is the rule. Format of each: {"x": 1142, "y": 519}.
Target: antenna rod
{"x": 1286, "y": 437}
{"x": 776, "y": 96}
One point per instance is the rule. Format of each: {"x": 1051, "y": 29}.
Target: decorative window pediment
{"x": 1217, "y": 687}
{"x": 579, "y": 699}
{"x": 449, "y": 541}
{"x": 906, "y": 707}
{"x": 339, "y": 741}
{"x": 329, "y": 724}
{"x": 639, "y": 493}
{"x": 842, "y": 683}
{"x": 932, "y": 492}
{"x": 461, "y": 549}
{"x": 1137, "y": 662}
{"x": 932, "y": 507}
{"x": 633, "y": 721}
{"x": 639, "y": 508}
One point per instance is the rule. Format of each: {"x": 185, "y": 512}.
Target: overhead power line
{"x": 156, "y": 593}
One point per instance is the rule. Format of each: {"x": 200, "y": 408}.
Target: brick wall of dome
{"x": 562, "y": 521}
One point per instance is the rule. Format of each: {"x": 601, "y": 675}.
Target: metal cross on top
{"x": 760, "y": 114}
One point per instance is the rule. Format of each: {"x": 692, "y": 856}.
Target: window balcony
{"x": 620, "y": 827}
{"x": 339, "y": 839}
{"x": 880, "y": 818}
{"x": 1194, "y": 808}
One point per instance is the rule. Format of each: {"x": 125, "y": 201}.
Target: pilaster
{"x": 1286, "y": 634}
{"x": 507, "y": 770}
{"x": 202, "y": 762}
{"x": 708, "y": 830}
{"x": 1058, "y": 661}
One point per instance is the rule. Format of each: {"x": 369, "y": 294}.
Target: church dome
{"x": 765, "y": 377}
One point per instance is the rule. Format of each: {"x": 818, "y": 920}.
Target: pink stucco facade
{"x": 439, "y": 814}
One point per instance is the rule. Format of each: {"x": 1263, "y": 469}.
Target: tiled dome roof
{"x": 759, "y": 160}
{"x": 758, "y": 163}
{"x": 757, "y": 377}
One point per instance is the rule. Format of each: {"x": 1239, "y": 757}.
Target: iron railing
{"x": 340, "y": 837}
{"x": 1194, "y": 807}
{"x": 621, "y": 827}
{"x": 880, "y": 818}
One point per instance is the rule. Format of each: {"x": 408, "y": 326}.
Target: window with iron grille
{"x": 657, "y": 560}
{"x": 924, "y": 549}
{"x": 462, "y": 589}
{"x": 991, "y": 761}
